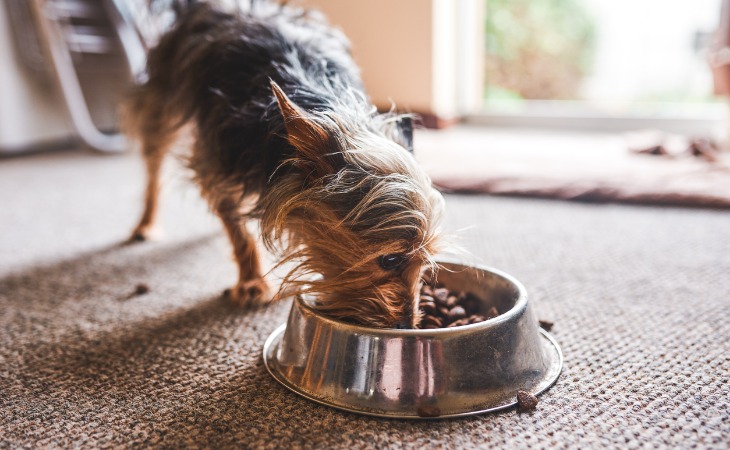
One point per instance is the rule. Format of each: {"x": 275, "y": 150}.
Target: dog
{"x": 282, "y": 131}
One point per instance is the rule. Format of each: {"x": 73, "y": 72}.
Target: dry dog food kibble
{"x": 428, "y": 411}
{"x": 546, "y": 325}
{"x": 141, "y": 289}
{"x": 526, "y": 401}
{"x": 441, "y": 308}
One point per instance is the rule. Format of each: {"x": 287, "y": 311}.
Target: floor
{"x": 639, "y": 297}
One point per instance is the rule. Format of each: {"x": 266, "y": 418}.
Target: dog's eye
{"x": 391, "y": 262}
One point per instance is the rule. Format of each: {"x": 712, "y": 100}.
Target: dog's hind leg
{"x": 156, "y": 134}
{"x": 251, "y": 287}
{"x": 146, "y": 229}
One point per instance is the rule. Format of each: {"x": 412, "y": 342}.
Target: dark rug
{"x": 598, "y": 168}
{"x": 639, "y": 297}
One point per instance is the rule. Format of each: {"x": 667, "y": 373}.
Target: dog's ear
{"x": 310, "y": 139}
{"x": 399, "y": 129}
{"x": 405, "y": 130}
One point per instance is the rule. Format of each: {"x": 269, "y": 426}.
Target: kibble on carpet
{"x": 639, "y": 297}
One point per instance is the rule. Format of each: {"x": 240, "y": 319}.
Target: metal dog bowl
{"x": 414, "y": 374}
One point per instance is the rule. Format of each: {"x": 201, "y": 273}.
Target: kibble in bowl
{"x": 477, "y": 346}
{"x": 442, "y": 308}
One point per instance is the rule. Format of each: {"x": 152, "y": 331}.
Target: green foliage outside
{"x": 537, "y": 49}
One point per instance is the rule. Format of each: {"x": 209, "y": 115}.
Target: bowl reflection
{"x": 446, "y": 372}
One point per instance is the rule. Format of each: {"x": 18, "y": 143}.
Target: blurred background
{"x": 515, "y": 61}
{"x": 558, "y": 94}
{"x": 620, "y": 58}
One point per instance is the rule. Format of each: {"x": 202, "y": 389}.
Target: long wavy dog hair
{"x": 282, "y": 131}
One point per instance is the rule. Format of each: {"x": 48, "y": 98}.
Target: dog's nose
{"x": 403, "y": 326}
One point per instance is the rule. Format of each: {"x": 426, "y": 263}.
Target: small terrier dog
{"x": 283, "y": 132}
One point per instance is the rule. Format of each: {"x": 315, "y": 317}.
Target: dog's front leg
{"x": 251, "y": 287}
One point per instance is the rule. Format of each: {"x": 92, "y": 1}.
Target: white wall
{"x": 409, "y": 50}
{"x": 31, "y": 112}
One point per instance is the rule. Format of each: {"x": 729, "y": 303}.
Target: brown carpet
{"x": 564, "y": 165}
{"x": 639, "y": 297}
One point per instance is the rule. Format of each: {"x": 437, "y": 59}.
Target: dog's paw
{"x": 144, "y": 233}
{"x": 249, "y": 293}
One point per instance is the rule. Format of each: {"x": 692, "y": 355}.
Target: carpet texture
{"x": 639, "y": 297}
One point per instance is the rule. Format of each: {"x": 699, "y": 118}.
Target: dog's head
{"x": 355, "y": 207}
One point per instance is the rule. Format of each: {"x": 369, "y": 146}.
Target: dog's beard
{"x": 359, "y": 298}
{"x": 336, "y": 260}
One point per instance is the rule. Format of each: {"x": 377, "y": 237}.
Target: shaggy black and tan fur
{"x": 282, "y": 131}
